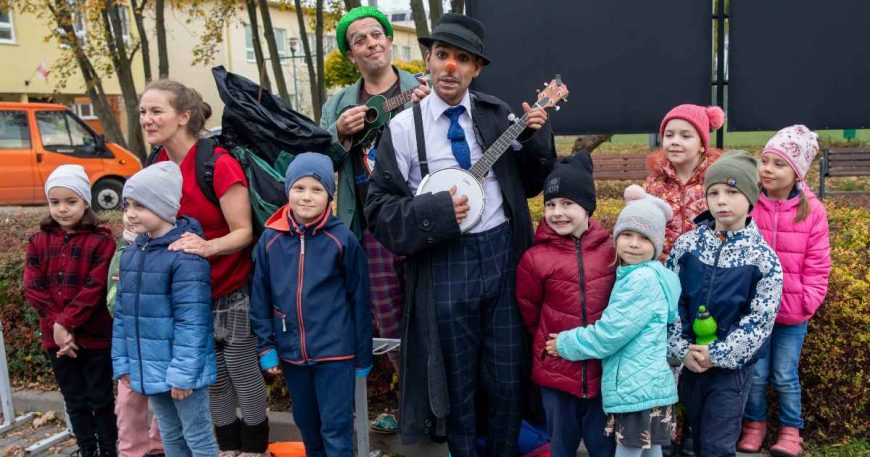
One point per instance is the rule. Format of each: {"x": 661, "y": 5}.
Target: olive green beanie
{"x": 737, "y": 169}
{"x": 357, "y": 14}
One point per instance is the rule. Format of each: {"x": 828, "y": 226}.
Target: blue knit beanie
{"x": 311, "y": 164}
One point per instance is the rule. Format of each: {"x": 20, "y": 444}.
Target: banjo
{"x": 470, "y": 182}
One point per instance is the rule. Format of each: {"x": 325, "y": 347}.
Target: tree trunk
{"x": 124, "y": 69}
{"x": 93, "y": 84}
{"x": 588, "y": 143}
{"x": 143, "y": 36}
{"x": 436, "y": 10}
{"x": 269, "y": 33}
{"x": 306, "y": 48}
{"x": 457, "y": 6}
{"x": 420, "y": 21}
{"x": 258, "y": 48}
{"x": 162, "y": 52}
{"x": 318, "y": 44}
{"x": 351, "y": 4}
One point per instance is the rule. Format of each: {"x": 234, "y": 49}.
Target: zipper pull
{"x": 302, "y": 238}
{"x": 284, "y": 324}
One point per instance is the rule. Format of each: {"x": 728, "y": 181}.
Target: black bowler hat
{"x": 463, "y": 32}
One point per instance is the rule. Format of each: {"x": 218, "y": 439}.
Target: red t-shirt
{"x": 228, "y": 272}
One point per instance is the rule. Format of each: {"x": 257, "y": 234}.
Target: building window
{"x": 7, "y": 31}
{"x": 406, "y": 53}
{"x": 329, "y": 44}
{"x": 85, "y": 110}
{"x": 280, "y": 43}
{"x": 398, "y": 17}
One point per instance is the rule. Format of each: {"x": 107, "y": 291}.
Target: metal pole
{"x": 43, "y": 445}
{"x": 295, "y": 86}
{"x": 720, "y": 68}
{"x": 380, "y": 346}
{"x": 9, "y": 419}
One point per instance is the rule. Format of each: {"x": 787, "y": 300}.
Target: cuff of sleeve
{"x": 65, "y": 321}
{"x": 269, "y": 359}
{"x": 565, "y": 352}
{"x": 363, "y": 372}
{"x": 717, "y": 358}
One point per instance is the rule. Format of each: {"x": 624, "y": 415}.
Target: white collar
{"x": 437, "y": 105}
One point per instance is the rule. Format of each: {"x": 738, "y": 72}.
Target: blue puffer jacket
{"x": 738, "y": 277}
{"x": 163, "y": 333}
{"x": 310, "y": 294}
{"x": 631, "y": 339}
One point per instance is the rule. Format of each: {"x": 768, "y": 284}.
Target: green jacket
{"x": 114, "y": 268}
{"x": 347, "y": 209}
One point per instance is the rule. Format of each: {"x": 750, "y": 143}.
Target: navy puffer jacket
{"x": 163, "y": 333}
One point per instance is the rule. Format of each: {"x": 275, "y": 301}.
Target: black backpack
{"x": 205, "y": 160}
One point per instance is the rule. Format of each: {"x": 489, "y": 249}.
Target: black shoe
{"x": 255, "y": 438}
{"x": 85, "y": 452}
{"x": 669, "y": 450}
{"x": 687, "y": 449}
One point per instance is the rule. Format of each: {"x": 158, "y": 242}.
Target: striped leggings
{"x": 239, "y": 380}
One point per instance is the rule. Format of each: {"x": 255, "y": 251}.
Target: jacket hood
{"x": 593, "y": 237}
{"x": 793, "y": 200}
{"x": 282, "y": 222}
{"x": 658, "y": 165}
{"x": 182, "y": 224}
{"x": 669, "y": 281}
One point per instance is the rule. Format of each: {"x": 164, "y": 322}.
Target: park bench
{"x": 619, "y": 167}
{"x": 839, "y": 162}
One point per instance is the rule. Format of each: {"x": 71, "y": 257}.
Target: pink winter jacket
{"x": 803, "y": 250}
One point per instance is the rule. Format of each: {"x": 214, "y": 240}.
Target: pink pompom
{"x": 634, "y": 192}
{"x": 716, "y": 117}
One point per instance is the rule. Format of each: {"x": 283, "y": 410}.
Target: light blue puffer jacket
{"x": 631, "y": 339}
{"x": 163, "y": 334}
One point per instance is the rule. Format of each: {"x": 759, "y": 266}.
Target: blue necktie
{"x": 456, "y": 135}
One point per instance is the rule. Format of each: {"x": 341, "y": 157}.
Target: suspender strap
{"x": 421, "y": 140}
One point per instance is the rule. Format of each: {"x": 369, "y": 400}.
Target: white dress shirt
{"x": 440, "y": 154}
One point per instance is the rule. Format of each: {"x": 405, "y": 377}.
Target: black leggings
{"x": 86, "y": 385}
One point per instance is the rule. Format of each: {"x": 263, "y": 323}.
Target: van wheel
{"x": 107, "y": 194}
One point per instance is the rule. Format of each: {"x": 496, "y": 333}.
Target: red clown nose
{"x": 450, "y": 66}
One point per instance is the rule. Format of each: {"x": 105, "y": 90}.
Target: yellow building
{"x": 236, "y": 53}
{"x": 28, "y": 56}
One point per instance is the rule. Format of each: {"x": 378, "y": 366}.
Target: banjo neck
{"x": 498, "y": 148}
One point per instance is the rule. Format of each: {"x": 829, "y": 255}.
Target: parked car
{"x": 37, "y": 137}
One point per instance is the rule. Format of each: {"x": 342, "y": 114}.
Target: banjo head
{"x": 466, "y": 184}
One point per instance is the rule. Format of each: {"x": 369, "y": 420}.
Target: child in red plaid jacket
{"x": 65, "y": 280}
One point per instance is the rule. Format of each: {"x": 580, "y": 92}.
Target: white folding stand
{"x": 380, "y": 346}
{"x": 9, "y": 420}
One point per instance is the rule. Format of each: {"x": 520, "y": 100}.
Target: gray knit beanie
{"x": 157, "y": 188}
{"x": 72, "y": 177}
{"x": 644, "y": 214}
{"x": 737, "y": 169}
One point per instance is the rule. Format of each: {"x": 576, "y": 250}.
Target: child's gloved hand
{"x": 363, "y": 372}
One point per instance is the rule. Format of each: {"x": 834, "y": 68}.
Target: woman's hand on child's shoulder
{"x": 551, "y": 345}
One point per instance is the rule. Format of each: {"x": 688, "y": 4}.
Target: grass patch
{"x": 851, "y": 448}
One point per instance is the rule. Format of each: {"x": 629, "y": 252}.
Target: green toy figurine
{"x": 704, "y": 327}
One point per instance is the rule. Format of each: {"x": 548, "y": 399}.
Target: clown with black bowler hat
{"x": 462, "y": 334}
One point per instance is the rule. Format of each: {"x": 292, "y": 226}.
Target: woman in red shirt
{"x": 174, "y": 116}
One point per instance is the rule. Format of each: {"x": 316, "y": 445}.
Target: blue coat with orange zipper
{"x": 310, "y": 293}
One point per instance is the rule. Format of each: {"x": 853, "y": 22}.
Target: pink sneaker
{"x": 751, "y": 436}
{"x": 788, "y": 444}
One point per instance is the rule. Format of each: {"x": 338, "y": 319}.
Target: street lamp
{"x": 292, "y": 41}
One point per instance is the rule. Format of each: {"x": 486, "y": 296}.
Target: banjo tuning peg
{"x": 558, "y": 107}
{"x": 512, "y": 117}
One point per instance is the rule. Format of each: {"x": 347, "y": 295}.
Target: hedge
{"x": 835, "y": 370}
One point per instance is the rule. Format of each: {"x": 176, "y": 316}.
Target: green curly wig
{"x": 356, "y": 14}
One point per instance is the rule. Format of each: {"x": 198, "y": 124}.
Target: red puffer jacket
{"x": 563, "y": 283}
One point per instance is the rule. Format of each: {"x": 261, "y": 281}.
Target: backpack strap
{"x": 152, "y": 156}
{"x": 206, "y": 157}
{"x": 421, "y": 140}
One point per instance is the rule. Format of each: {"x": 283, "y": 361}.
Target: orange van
{"x": 37, "y": 137}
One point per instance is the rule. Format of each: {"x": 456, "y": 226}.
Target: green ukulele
{"x": 379, "y": 111}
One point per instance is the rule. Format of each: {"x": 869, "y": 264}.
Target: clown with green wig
{"x": 365, "y": 37}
